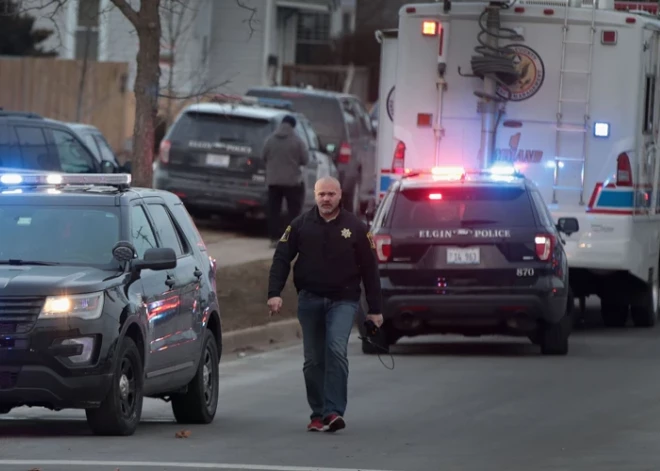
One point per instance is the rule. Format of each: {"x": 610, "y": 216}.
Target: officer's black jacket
{"x": 333, "y": 257}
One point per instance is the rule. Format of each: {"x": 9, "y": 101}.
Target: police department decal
{"x": 476, "y": 233}
{"x": 531, "y": 69}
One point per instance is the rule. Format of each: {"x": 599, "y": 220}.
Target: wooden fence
{"x": 51, "y": 87}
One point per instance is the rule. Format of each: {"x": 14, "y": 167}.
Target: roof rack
{"x": 15, "y": 180}
{"x": 19, "y": 114}
{"x": 252, "y": 101}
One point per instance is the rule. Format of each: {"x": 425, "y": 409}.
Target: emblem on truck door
{"x": 531, "y": 72}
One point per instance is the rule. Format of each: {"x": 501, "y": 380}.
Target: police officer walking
{"x": 284, "y": 153}
{"x": 335, "y": 253}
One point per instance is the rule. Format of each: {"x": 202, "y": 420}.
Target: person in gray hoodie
{"x": 284, "y": 153}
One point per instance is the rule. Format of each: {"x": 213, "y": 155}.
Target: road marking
{"x": 155, "y": 464}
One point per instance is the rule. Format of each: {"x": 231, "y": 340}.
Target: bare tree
{"x": 146, "y": 21}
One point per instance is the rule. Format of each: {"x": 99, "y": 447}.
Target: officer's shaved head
{"x": 328, "y": 194}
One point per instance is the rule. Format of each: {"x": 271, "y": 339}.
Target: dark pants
{"x": 294, "y": 196}
{"x": 326, "y": 327}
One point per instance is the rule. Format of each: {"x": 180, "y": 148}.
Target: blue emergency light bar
{"x": 496, "y": 172}
{"x": 17, "y": 179}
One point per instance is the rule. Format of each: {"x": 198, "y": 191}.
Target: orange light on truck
{"x": 429, "y": 28}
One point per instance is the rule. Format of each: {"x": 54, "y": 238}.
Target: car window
{"x": 142, "y": 234}
{"x": 34, "y": 151}
{"x": 74, "y": 158}
{"x": 166, "y": 230}
{"x": 311, "y": 134}
{"x": 323, "y": 112}
{"x": 227, "y": 129}
{"x": 457, "y": 206}
{"x": 363, "y": 117}
{"x": 542, "y": 209}
{"x": 383, "y": 210}
{"x": 301, "y": 133}
{"x": 351, "y": 121}
{"x": 188, "y": 226}
{"x": 91, "y": 143}
{"x": 104, "y": 147}
{"x": 71, "y": 235}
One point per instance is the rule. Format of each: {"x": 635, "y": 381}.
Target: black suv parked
{"x": 473, "y": 253}
{"x": 211, "y": 156}
{"x": 107, "y": 296}
{"x": 30, "y": 141}
{"x": 346, "y": 133}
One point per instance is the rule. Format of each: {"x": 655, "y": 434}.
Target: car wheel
{"x": 644, "y": 308}
{"x": 199, "y": 404}
{"x": 121, "y": 410}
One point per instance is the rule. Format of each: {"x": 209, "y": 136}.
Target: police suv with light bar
{"x": 107, "y": 296}
{"x": 530, "y": 82}
{"x": 474, "y": 253}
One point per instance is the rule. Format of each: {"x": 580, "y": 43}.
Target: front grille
{"x": 18, "y": 314}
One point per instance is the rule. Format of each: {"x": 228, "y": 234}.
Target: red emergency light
{"x": 435, "y": 196}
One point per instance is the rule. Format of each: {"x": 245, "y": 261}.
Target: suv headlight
{"x": 84, "y": 306}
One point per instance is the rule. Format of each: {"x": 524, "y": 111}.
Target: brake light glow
{"x": 429, "y": 28}
{"x": 345, "y": 153}
{"x": 435, "y": 196}
{"x": 623, "y": 170}
{"x": 544, "y": 245}
{"x": 383, "y": 247}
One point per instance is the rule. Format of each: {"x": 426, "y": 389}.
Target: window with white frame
{"x": 313, "y": 38}
{"x": 87, "y": 29}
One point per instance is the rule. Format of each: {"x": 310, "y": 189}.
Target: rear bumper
{"x": 522, "y": 311}
{"x": 240, "y": 197}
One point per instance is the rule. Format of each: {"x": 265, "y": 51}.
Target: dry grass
{"x": 242, "y": 294}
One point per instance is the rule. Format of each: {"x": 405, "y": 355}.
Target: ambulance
{"x": 562, "y": 91}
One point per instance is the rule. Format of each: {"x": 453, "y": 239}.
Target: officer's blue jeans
{"x": 326, "y": 327}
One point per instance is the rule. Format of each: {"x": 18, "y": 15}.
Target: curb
{"x": 261, "y": 338}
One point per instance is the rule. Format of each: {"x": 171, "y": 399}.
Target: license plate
{"x": 463, "y": 256}
{"x": 217, "y": 160}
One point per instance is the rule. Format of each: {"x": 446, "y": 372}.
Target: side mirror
{"x": 568, "y": 225}
{"x": 156, "y": 259}
{"x": 107, "y": 167}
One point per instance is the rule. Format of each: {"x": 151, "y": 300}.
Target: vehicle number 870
{"x": 525, "y": 272}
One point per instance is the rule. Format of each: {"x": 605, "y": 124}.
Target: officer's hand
{"x": 376, "y": 319}
{"x": 275, "y": 304}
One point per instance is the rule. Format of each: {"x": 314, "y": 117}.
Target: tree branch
{"x": 130, "y": 14}
{"x": 251, "y": 19}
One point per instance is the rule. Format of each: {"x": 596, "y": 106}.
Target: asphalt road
{"x": 449, "y": 404}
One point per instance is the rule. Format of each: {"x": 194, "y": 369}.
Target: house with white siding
{"x": 209, "y": 45}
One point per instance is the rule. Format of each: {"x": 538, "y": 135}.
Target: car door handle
{"x": 170, "y": 281}
{"x": 198, "y": 273}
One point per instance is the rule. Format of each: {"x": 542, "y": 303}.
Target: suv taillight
{"x": 164, "y": 152}
{"x": 383, "y": 247}
{"x": 345, "y": 153}
{"x": 544, "y": 243}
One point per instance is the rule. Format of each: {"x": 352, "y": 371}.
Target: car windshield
{"x": 60, "y": 235}
{"x": 461, "y": 207}
{"x": 249, "y": 133}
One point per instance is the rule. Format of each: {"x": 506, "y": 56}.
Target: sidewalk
{"x": 238, "y": 250}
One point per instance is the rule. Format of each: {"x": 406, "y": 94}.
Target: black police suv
{"x": 107, "y": 296}
{"x": 211, "y": 157}
{"x": 472, "y": 253}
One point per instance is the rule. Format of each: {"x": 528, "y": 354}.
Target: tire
{"x": 199, "y": 404}
{"x": 121, "y": 410}
{"x": 644, "y": 309}
{"x": 553, "y": 338}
